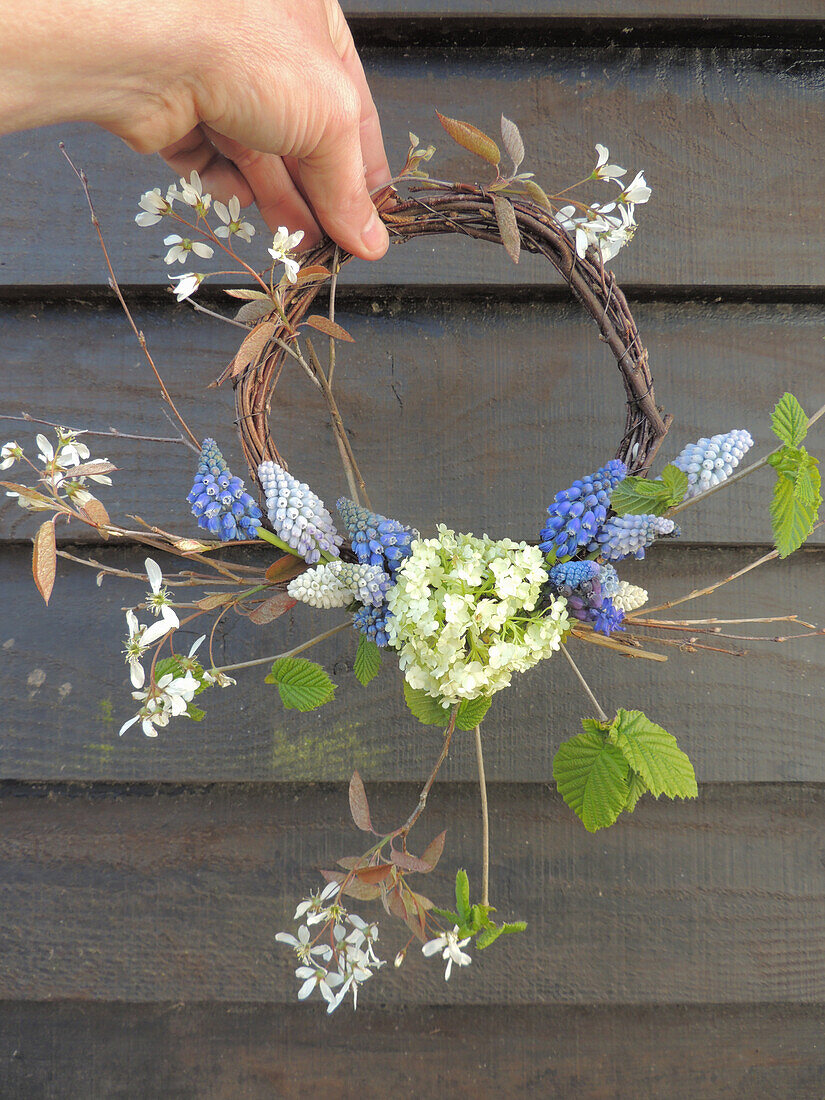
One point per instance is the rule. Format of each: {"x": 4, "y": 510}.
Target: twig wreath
{"x": 463, "y": 613}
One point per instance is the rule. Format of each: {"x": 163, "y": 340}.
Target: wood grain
{"x": 719, "y": 132}
{"x": 169, "y": 894}
{"x": 494, "y": 404}
{"x": 66, "y": 692}
{"x": 222, "y": 1052}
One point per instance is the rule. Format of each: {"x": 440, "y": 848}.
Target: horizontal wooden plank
{"x": 670, "y": 10}
{"x": 174, "y": 894}
{"x": 693, "y": 119}
{"x": 220, "y": 1052}
{"x": 471, "y": 413}
{"x": 66, "y": 693}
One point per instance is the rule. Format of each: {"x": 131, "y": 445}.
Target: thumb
{"x": 333, "y": 178}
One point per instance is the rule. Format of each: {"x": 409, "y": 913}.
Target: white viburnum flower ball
{"x": 465, "y": 615}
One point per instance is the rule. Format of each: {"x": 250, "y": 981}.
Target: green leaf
{"x": 462, "y": 894}
{"x": 792, "y": 520}
{"x": 808, "y": 482}
{"x": 593, "y": 725}
{"x": 638, "y": 787}
{"x": 303, "y": 685}
{"x": 471, "y": 712}
{"x": 789, "y": 421}
{"x": 488, "y": 936}
{"x": 638, "y": 496}
{"x": 179, "y": 666}
{"x": 514, "y": 926}
{"x": 447, "y": 914}
{"x": 426, "y": 709}
{"x": 195, "y": 713}
{"x": 653, "y": 753}
{"x": 367, "y": 660}
{"x": 591, "y": 776}
{"x": 676, "y": 482}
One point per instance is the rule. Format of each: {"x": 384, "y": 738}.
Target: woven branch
{"x": 460, "y": 208}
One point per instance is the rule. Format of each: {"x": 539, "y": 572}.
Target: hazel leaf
{"x": 303, "y": 685}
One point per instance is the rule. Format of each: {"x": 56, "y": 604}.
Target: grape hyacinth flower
{"x": 577, "y": 513}
{"x": 375, "y": 539}
{"x": 374, "y": 622}
{"x": 711, "y": 461}
{"x": 622, "y": 536}
{"x": 366, "y": 583}
{"x": 579, "y": 583}
{"x": 609, "y": 580}
{"x": 297, "y": 515}
{"x": 219, "y": 501}
{"x": 629, "y": 597}
{"x": 320, "y": 587}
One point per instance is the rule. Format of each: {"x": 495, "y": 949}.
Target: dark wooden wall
{"x": 680, "y": 954}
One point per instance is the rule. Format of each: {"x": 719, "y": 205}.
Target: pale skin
{"x": 266, "y": 99}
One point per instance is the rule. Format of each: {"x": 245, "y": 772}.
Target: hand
{"x": 266, "y": 99}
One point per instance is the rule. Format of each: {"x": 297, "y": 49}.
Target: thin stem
{"x": 425, "y": 790}
{"x": 112, "y": 432}
{"x": 333, "y": 284}
{"x": 586, "y": 686}
{"x": 113, "y": 283}
{"x": 485, "y": 822}
{"x": 289, "y": 653}
{"x": 219, "y": 316}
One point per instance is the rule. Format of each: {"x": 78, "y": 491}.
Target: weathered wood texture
{"x": 223, "y": 1052}
{"x": 174, "y": 894}
{"x": 66, "y": 691}
{"x": 495, "y": 404}
{"x": 720, "y": 134}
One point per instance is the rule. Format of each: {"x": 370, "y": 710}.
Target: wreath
{"x": 463, "y": 613}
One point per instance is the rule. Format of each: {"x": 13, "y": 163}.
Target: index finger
{"x": 372, "y": 142}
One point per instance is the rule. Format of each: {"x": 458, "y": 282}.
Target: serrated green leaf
{"x": 789, "y": 421}
{"x": 426, "y": 709}
{"x": 303, "y": 685}
{"x": 447, "y": 914}
{"x": 676, "y": 483}
{"x": 638, "y": 496}
{"x": 808, "y": 482}
{"x": 471, "y": 712}
{"x": 488, "y": 936}
{"x": 593, "y": 725}
{"x": 792, "y": 520}
{"x": 514, "y": 926}
{"x": 591, "y": 776}
{"x": 195, "y": 713}
{"x": 653, "y": 752}
{"x": 367, "y": 660}
{"x": 462, "y": 894}
{"x": 638, "y": 787}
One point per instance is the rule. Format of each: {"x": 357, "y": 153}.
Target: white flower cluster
{"x": 339, "y": 966}
{"x": 609, "y": 226}
{"x": 629, "y": 597}
{"x": 464, "y": 614}
{"x": 57, "y": 470}
{"x": 337, "y": 583}
{"x": 450, "y": 947}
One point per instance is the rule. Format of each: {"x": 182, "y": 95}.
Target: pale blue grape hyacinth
{"x": 297, "y": 515}
{"x": 367, "y": 583}
{"x": 376, "y": 539}
{"x": 622, "y": 536}
{"x": 711, "y": 461}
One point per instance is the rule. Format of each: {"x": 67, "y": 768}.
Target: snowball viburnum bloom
{"x": 603, "y": 170}
{"x": 282, "y": 244}
{"x": 158, "y": 599}
{"x": 231, "y": 217}
{"x": 9, "y": 454}
{"x": 187, "y": 285}
{"x": 450, "y": 947}
{"x": 637, "y": 191}
{"x": 182, "y": 246}
{"x": 154, "y": 207}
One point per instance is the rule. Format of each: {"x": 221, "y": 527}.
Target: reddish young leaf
{"x": 215, "y": 600}
{"x": 396, "y": 904}
{"x": 285, "y": 568}
{"x": 432, "y": 853}
{"x": 44, "y": 559}
{"x": 98, "y": 466}
{"x": 470, "y": 137}
{"x": 354, "y": 889}
{"x": 372, "y": 875}
{"x": 512, "y": 142}
{"x": 359, "y": 807}
{"x": 252, "y": 347}
{"x": 409, "y": 862}
{"x": 272, "y": 609}
{"x": 95, "y": 511}
{"x": 508, "y": 226}
{"x": 248, "y": 295}
{"x": 312, "y": 274}
{"x": 329, "y": 328}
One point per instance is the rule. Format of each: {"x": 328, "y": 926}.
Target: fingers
{"x": 196, "y": 152}
{"x": 372, "y": 142}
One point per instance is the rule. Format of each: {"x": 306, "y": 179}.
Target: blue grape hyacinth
{"x": 219, "y": 501}
{"x": 711, "y": 461}
{"x": 622, "y": 536}
{"x": 577, "y": 513}
{"x": 375, "y": 539}
{"x": 297, "y": 515}
{"x": 580, "y": 583}
{"x": 373, "y": 621}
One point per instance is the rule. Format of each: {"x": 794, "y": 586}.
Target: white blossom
{"x": 302, "y": 946}
{"x": 154, "y": 207}
{"x": 231, "y": 217}
{"x": 603, "y": 170}
{"x": 158, "y": 599}
{"x": 314, "y": 903}
{"x": 636, "y": 192}
{"x": 282, "y": 245}
{"x": 191, "y": 193}
{"x": 450, "y": 947}
{"x": 9, "y": 454}
{"x": 182, "y": 246}
{"x": 187, "y": 285}
{"x": 317, "y": 977}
